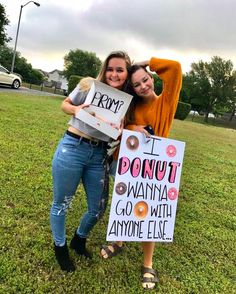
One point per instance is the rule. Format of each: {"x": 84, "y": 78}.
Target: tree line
{"x": 209, "y": 86}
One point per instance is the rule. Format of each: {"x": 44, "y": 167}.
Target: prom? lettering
{"x": 104, "y": 101}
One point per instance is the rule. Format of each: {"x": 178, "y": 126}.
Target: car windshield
{"x": 3, "y": 69}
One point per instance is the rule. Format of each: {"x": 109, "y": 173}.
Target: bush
{"x": 182, "y": 110}
{"x": 73, "y": 81}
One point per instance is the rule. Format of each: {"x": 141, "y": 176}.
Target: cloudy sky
{"x": 184, "y": 30}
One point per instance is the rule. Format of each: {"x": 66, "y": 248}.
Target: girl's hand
{"x": 114, "y": 126}
{"x": 121, "y": 127}
{"x": 81, "y": 106}
{"x": 141, "y": 130}
{"x": 143, "y": 63}
{"x": 118, "y": 127}
{"x": 68, "y": 107}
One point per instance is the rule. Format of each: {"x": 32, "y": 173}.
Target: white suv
{"x": 7, "y": 78}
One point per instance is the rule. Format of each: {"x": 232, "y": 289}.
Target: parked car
{"x": 10, "y": 79}
{"x": 211, "y": 115}
{"x": 193, "y": 112}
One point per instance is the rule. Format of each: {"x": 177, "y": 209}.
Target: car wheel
{"x": 16, "y": 84}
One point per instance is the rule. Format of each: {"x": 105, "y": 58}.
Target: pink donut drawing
{"x": 172, "y": 193}
{"x": 171, "y": 150}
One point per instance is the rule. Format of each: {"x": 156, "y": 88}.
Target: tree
{"x": 6, "y": 54}
{"x": 157, "y": 84}
{"x": 208, "y": 85}
{"x": 3, "y": 22}
{"x": 30, "y": 75}
{"x": 232, "y": 96}
{"x": 36, "y": 77}
{"x": 22, "y": 67}
{"x": 81, "y": 63}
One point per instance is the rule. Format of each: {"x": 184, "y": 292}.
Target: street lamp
{"x": 17, "y": 32}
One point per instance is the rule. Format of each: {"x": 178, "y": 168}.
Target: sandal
{"x": 110, "y": 253}
{"x": 147, "y": 280}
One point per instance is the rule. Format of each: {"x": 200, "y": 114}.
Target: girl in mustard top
{"x": 148, "y": 108}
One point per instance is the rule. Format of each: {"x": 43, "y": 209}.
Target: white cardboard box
{"x": 107, "y": 103}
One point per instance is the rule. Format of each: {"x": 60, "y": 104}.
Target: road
{"x": 25, "y": 90}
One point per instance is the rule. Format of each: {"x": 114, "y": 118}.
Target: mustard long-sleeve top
{"x": 159, "y": 113}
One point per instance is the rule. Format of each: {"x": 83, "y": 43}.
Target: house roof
{"x": 56, "y": 70}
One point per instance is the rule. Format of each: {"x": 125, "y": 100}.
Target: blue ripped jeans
{"x": 113, "y": 168}
{"x": 75, "y": 160}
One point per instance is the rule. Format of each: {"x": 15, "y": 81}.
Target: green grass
{"x": 200, "y": 260}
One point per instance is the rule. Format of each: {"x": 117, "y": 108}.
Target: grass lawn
{"x": 200, "y": 260}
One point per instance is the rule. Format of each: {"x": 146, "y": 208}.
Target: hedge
{"x": 73, "y": 81}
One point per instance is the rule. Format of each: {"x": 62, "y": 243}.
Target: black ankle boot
{"x": 78, "y": 244}
{"x": 62, "y": 256}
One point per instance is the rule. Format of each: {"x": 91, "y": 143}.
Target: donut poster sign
{"x": 146, "y": 189}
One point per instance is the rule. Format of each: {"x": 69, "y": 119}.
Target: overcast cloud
{"x": 186, "y": 30}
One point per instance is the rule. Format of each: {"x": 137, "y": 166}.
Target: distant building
{"x": 56, "y": 79}
{"x": 57, "y": 76}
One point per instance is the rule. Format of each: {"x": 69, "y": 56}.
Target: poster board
{"x": 146, "y": 189}
{"x": 107, "y": 105}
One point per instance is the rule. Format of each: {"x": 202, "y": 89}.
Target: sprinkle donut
{"x": 132, "y": 142}
{"x": 121, "y": 188}
{"x": 172, "y": 193}
{"x": 171, "y": 150}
